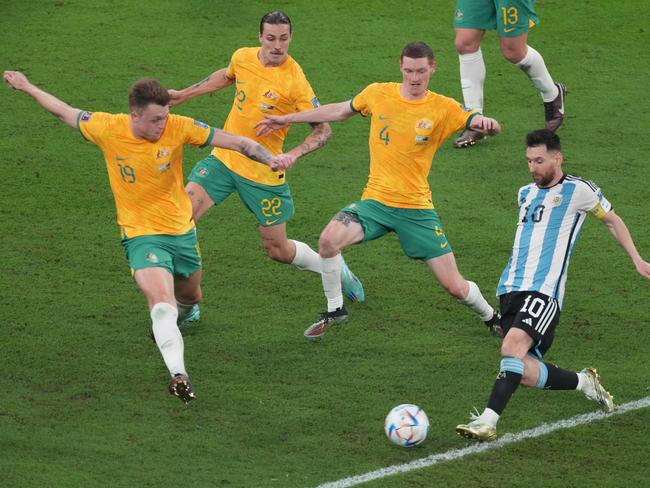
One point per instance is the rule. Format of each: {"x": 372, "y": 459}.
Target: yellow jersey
{"x": 146, "y": 177}
{"x": 260, "y": 90}
{"x": 404, "y": 137}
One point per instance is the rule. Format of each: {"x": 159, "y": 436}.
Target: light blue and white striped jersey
{"x": 550, "y": 221}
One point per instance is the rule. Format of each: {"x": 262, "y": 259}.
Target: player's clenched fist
{"x": 15, "y": 79}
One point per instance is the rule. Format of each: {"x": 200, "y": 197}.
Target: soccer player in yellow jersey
{"x": 408, "y": 124}
{"x": 143, "y": 152}
{"x": 267, "y": 81}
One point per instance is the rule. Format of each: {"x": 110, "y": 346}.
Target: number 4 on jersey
{"x": 384, "y": 135}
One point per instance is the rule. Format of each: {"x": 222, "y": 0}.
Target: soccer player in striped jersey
{"x": 408, "y": 125}
{"x": 143, "y": 152}
{"x": 552, "y": 211}
{"x": 267, "y": 81}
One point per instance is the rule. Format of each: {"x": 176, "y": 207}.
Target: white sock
{"x": 581, "y": 381}
{"x": 306, "y": 258}
{"x": 472, "y": 77}
{"x": 490, "y": 417}
{"x": 331, "y": 277}
{"x": 168, "y": 337}
{"x": 534, "y": 67}
{"x": 183, "y": 311}
{"x": 477, "y": 303}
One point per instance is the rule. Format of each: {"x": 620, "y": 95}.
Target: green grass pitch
{"x": 83, "y": 401}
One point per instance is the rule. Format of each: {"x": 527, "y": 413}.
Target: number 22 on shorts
{"x": 271, "y": 208}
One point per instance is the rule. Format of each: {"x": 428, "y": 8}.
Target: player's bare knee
{"x": 278, "y": 251}
{"x": 328, "y": 245}
{"x": 527, "y": 380}
{"x": 514, "y": 54}
{"x": 190, "y": 297}
{"x": 466, "y": 46}
{"x": 467, "y": 41}
{"x": 511, "y": 348}
{"x": 196, "y": 297}
{"x": 456, "y": 288}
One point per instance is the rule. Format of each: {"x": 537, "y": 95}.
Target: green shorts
{"x": 419, "y": 230}
{"x": 271, "y": 205}
{"x": 178, "y": 254}
{"x": 511, "y": 18}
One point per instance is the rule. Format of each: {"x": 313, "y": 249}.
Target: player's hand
{"x": 283, "y": 162}
{"x": 644, "y": 269}
{"x": 486, "y": 124}
{"x": 175, "y": 97}
{"x": 15, "y": 79}
{"x": 270, "y": 124}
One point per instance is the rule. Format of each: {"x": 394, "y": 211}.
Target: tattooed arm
{"x": 255, "y": 151}
{"x": 247, "y": 147}
{"x": 216, "y": 81}
{"x": 320, "y": 135}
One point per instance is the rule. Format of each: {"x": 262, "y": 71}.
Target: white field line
{"x": 454, "y": 454}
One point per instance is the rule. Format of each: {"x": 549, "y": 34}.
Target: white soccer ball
{"x": 406, "y": 425}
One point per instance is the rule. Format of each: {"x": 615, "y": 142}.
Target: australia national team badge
{"x": 267, "y": 106}
{"x": 271, "y": 95}
{"x": 162, "y": 153}
{"x": 423, "y": 130}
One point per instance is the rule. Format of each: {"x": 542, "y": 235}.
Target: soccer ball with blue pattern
{"x": 406, "y": 425}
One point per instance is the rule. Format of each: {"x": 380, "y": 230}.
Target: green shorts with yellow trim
{"x": 510, "y": 18}
{"x": 271, "y": 205}
{"x": 178, "y": 254}
{"x": 419, "y": 230}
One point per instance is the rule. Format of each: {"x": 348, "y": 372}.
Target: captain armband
{"x": 598, "y": 211}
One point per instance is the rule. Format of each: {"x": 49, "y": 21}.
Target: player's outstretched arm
{"x": 216, "y": 81}
{"x": 332, "y": 112}
{"x": 248, "y": 148}
{"x": 18, "y": 81}
{"x": 320, "y": 135}
{"x": 485, "y": 124}
{"x": 621, "y": 233}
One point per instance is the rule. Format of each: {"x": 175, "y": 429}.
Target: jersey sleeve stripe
{"x": 586, "y": 182}
{"x": 209, "y": 139}
{"x": 469, "y": 119}
{"x": 81, "y": 112}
